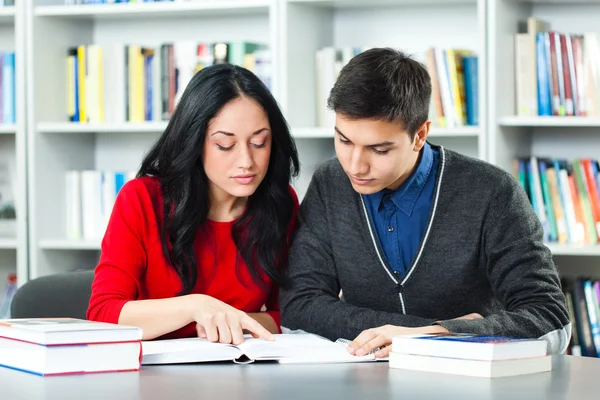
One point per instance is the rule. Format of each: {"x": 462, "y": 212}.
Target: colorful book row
{"x": 145, "y": 83}
{"x": 565, "y": 196}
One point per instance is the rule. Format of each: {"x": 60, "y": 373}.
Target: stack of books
{"x": 60, "y": 346}
{"x": 471, "y": 355}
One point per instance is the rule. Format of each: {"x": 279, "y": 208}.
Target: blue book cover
{"x": 544, "y": 101}
{"x": 471, "y": 71}
{"x": 471, "y": 338}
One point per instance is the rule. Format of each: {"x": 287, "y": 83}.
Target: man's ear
{"x": 421, "y": 136}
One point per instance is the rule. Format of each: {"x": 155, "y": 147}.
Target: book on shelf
{"x": 85, "y": 2}
{"x": 8, "y": 222}
{"x": 454, "y": 80}
{"x": 471, "y": 355}
{"x": 556, "y": 73}
{"x": 583, "y": 303}
{"x": 90, "y": 197}
{"x": 285, "y": 349}
{"x": 454, "y": 87}
{"x": 137, "y": 83}
{"x": 8, "y": 293}
{"x": 7, "y": 88}
{"x": 59, "y": 346}
{"x": 329, "y": 61}
{"x": 565, "y": 196}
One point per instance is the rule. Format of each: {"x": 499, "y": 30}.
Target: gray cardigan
{"x": 482, "y": 252}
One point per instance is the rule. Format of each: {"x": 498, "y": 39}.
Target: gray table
{"x": 572, "y": 378}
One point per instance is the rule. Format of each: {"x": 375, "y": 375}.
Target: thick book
{"x": 285, "y": 349}
{"x": 59, "y": 346}
{"x": 64, "y": 359}
{"x": 479, "y": 368}
{"x": 470, "y": 347}
{"x": 54, "y": 331}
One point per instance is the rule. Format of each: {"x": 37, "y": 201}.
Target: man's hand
{"x": 381, "y": 338}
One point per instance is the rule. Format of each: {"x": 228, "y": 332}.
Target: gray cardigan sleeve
{"x": 312, "y": 302}
{"x": 521, "y": 273}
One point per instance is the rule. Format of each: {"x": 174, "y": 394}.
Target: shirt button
{"x": 390, "y": 228}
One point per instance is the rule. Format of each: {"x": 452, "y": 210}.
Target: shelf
{"x": 308, "y": 133}
{"x": 462, "y": 131}
{"x": 8, "y": 244}
{"x": 559, "y": 122}
{"x": 557, "y": 2}
{"x": 435, "y": 132}
{"x": 155, "y": 10}
{"x": 126, "y": 127}
{"x": 7, "y": 15}
{"x": 7, "y": 129}
{"x": 70, "y": 244}
{"x": 573, "y": 250}
{"x": 373, "y": 3}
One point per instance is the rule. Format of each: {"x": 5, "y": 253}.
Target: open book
{"x": 286, "y": 349}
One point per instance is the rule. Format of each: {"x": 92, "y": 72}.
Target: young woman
{"x": 197, "y": 242}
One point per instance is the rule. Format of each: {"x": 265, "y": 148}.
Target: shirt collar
{"x": 408, "y": 193}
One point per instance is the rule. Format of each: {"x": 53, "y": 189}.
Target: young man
{"x": 417, "y": 238}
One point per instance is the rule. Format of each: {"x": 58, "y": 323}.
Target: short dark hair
{"x": 383, "y": 84}
{"x": 261, "y": 234}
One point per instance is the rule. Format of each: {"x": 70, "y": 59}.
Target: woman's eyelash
{"x": 258, "y": 146}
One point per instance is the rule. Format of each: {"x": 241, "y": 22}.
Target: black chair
{"x": 59, "y": 296}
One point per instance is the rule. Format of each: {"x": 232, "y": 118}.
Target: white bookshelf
{"x": 14, "y": 249}
{"x": 69, "y": 244}
{"x": 56, "y": 145}
{"x": 309, "y": 25}
{"x": 294, "y": 29}
{"x": 512, "y": 136}
{"x": 8, "y": 129}
{"x": 550, "y": 122}
{"x": 155, "y": 10}
{"x": 8, "y": 244}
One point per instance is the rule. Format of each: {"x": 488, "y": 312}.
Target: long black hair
{"x": 261, "y": 233}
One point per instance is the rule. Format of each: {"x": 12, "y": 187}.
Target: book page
{"x": 299, "y": 348}
{"x": 187, "y": 351}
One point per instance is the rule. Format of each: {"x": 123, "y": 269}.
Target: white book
{"x": 65, "y": 359}
{"x": 59, "y": 331}
{"x": 576, "y": 230}
{"x": 109, "y": 195}
{"x": 442, "y": 72}
{"x": 479, "y": 368}
{"x": 73, "y": 204}
{"x": 327, "y": 75}
{"x": 526, "y": 84}
{"x": 115, "y": 92}
{"x": 470, "y": 347}
{"x": 185, "y": 62}
{"x": 286, "y": 349}
{"x": 94, "y": 78}
{"x": 91, "y": 204}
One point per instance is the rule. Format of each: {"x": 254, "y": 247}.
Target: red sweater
{"x": 132, "y": 265}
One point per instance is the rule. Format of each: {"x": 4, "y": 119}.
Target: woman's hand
{"x": 219, "y": 322}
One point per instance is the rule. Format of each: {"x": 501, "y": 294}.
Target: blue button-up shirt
{"x": 400, "y": 217}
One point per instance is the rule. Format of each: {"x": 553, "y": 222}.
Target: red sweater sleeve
{"x": 272, "y": 304}
{"x": 122, "y": 261}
